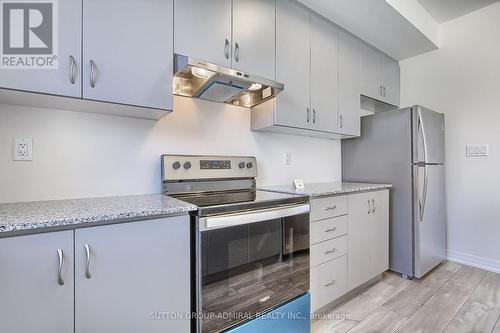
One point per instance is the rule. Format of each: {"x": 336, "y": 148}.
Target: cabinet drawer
{"x": 328, "y": 229}
{"x": 328, "y": 282}
{"x": 331, "y": 249}
{"x": 328, "y": 207}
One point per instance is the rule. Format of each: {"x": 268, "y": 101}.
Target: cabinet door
{"x": 358, "y": 237}
{"x": 349, "y": 62}
{"x": 293, "y": 65}
{"x": 33, "y": 298}
{"x": 324, "y": 73}
{"x": 203, "y": 30}
{"x": 379, "y": 242}
{"x": 254, "y": 37}
{"x": 55, "y": 81}
{"x": 371, "y": 81}
{"x": 391, "y": 78}
{"x": 135, "y": 270}
{"x": 130, "y": 44}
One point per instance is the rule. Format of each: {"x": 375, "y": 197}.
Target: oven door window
{"x": 247, "y": 269}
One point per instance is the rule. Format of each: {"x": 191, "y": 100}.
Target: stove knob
{"x": 241, "y": 165}
{"x": 249, "y": 165}
{"x": 187, "y": 165}
{"x": 176, "y": 165}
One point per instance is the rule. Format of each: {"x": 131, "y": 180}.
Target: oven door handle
{"x": 231, "y": 220}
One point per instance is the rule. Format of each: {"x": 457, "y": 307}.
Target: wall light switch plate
{"x": 23, "y": 149}
{"x": 476, "y": 150}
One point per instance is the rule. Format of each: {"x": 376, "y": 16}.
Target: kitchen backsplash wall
{"x": 84, "y": 155}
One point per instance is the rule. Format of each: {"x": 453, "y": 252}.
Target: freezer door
{"x": 429, "y": 219}
{"x": 428, "y": 136}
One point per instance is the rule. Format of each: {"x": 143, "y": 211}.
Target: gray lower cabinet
{"x": 119, "y": 278}
{"x": 126, "y": 273}
{"x": 36, "y": 283}
{"x": 56, "y": 81}
{"x": 127, "y": 52}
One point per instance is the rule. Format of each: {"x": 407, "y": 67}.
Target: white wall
{"x": 83, "y": 155}
{"x": 462, "y": 79}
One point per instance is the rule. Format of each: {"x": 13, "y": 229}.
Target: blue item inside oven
{"x": 292, "y": 317}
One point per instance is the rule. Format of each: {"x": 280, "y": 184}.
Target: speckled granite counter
{"x": 28, "y": 217}
{"x": 327, "y": 189}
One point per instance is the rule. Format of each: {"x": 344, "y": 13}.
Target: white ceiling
{"x": 446, "y": 10}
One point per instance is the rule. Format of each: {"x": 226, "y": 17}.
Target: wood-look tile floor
{"x": 452, "y": 298}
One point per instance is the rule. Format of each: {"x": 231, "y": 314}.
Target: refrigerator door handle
{"x": 422, "y": 200}
{"x": 422, "y": 131}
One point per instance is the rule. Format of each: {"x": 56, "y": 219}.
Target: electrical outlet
{"x": 476, "y": 150}
{"x": 23, "y": 149}
{"x": 287, "y": 158}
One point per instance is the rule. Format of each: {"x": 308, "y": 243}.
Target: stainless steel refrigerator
{"x": 405, "y": 148}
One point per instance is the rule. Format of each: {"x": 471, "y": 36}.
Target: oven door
{"x": 249, "y": 263}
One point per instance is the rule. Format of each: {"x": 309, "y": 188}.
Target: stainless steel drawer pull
{"x": 369, "y": 207}
{"x": 236, "y": 52}
{"x": 87, "y": 261}
{"x": 92, "y": 73}
{"x": 72, "y": 70}
{"x": 329, "y": 283}
{"x": 373, "y": 205}
{"x": 331, "y": 229}
{"x": 331, "y": 251}
{"x": 60, "y": 256}
{"x": 226, "y": 48}
{"x": 331, "y": 207}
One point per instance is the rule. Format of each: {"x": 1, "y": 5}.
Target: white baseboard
{"x": 474, "y": 261}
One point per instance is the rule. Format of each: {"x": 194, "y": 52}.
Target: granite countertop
{"x": 26, "y": 217}
{"x": 327, "y": 188}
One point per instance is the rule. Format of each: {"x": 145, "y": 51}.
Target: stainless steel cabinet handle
{"x": 92, "y": 73}
{"x": 314, "y": 116}
{"x": 308, "y": 115}
{"x": 60, "y": 256}
{"x": 236, "y": 52}
{"x": 369, "y": 206}
{"x": 373, "y": 206}
{"x": 341, "y": 121}
{"x": 331, "y": 251}
{"x": 329, "y": 283}
{"x": 331, "y": 207}
{"x": 226, "y": 48}
{"x": 87, "y": 261}
{"x": 331, "y": 229}
{"x": 72, "y": 70}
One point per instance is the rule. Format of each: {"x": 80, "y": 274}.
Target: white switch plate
{"x": 476, "y": 150}
{"x": 23, "y": 149}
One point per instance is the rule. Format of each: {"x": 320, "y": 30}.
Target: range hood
{"x": 199, "y": 79}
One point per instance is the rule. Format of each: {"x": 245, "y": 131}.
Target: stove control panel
{"x": 191, "y": 167}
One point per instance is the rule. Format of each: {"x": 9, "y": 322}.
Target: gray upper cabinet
{"x": 36, "y": 283}
{"x": 120, "y": 284}
{"x": 203, "y": 30}
{"x": 380, "y": 76}
{"x": 293, "y": 61}
{"x": 253, "y": 37}
{"x": 324, "y": 73}
{"x": 127, "y": 57}
{"x": 349, "y": 63}
{"x": 66, "y": 79}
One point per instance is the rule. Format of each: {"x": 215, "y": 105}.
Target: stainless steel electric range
{"x": 251, "y": 248}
